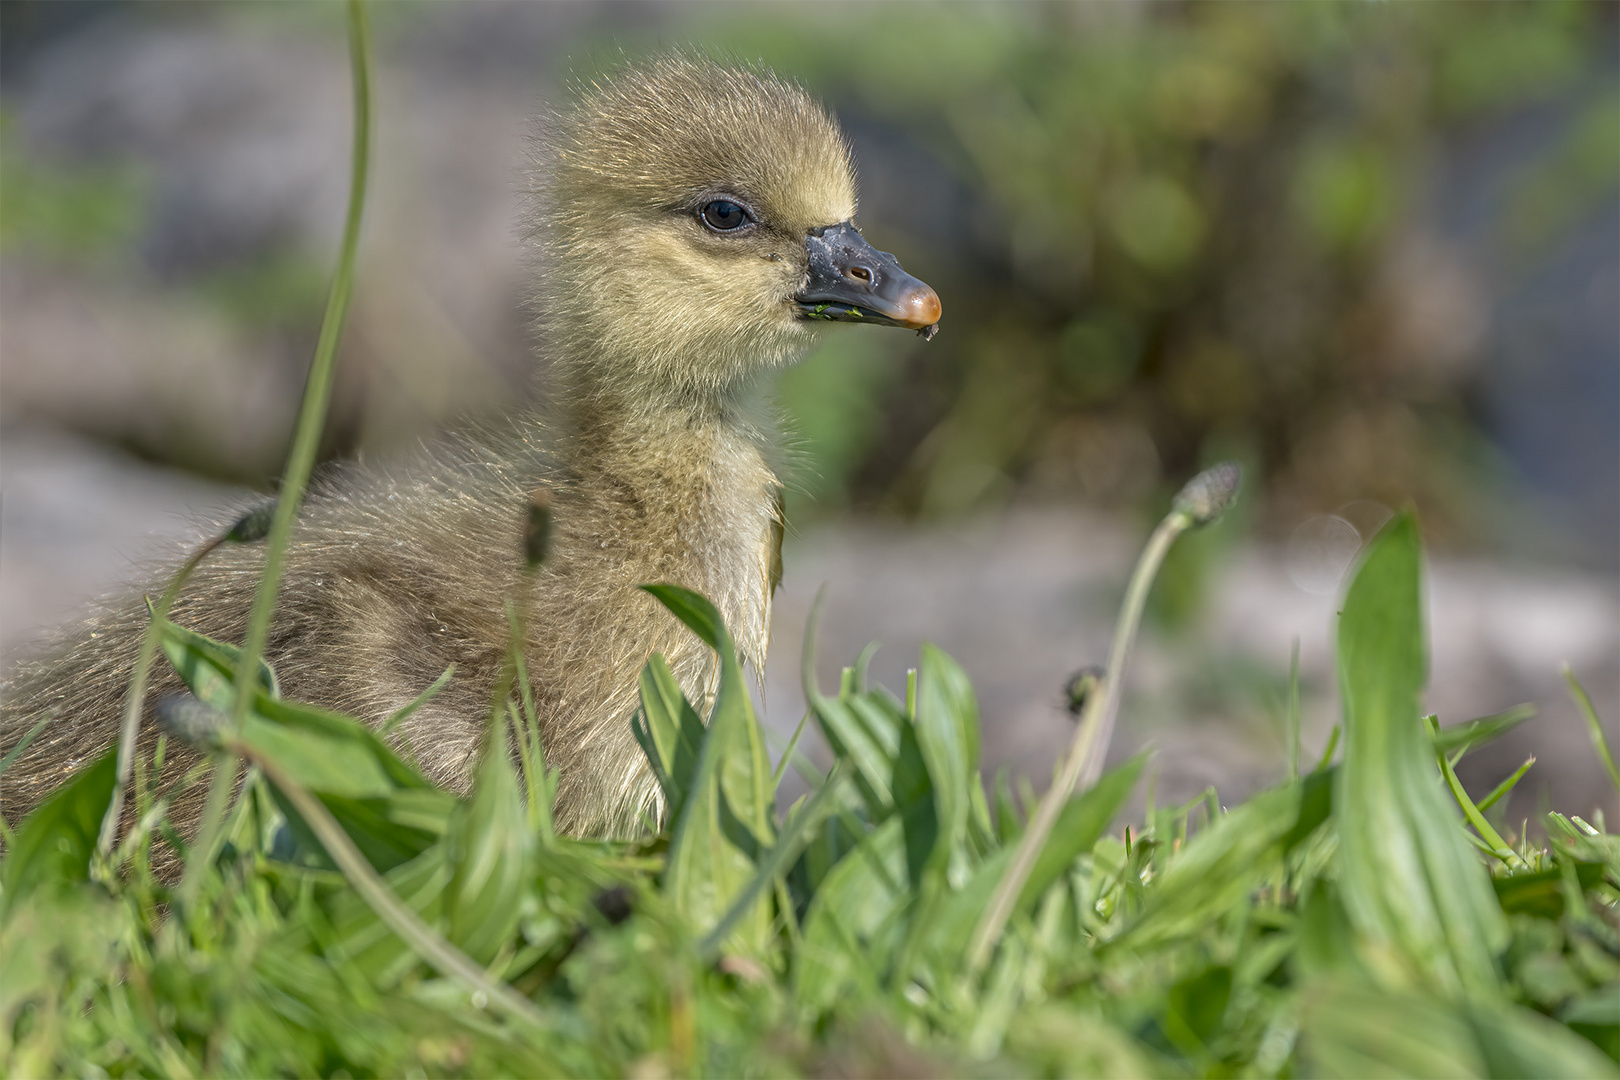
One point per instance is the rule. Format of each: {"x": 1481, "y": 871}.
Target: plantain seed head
{"x": 1209, "y": 494}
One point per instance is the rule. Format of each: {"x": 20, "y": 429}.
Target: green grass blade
{"x": 1461, "y": 738}
{"x": 947, "y": 727}
{"x": 492, "y": 851}
{"x": 22, "y": 744}
{"x": 1218, "y": 869}
{"x": 847, "y": 931}
{"x": 1519, "y": 1042}
{"x": 1327, "y": 751}
{"x": 851, "y": 740}
{"x": 1493, "y": 840}
{"x": 405, "y": 922}
{"x": 1352, "y": 1029}
{"x": 406, "y": 711}
{"x": 1599, "y": 742}
{"x": 787, "y": 754}
{"x": 697, "y": 613}
{"x": 1080, "y": 824}
{"x": 673, "y": 731}
{"x": 1502, "y": 790}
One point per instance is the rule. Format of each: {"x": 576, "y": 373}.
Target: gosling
{"x": 694, "y": 225}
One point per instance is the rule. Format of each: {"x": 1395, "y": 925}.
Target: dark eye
{"x": 723, "y": 215}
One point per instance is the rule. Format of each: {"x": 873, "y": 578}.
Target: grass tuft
{"x": 356, "y": 918}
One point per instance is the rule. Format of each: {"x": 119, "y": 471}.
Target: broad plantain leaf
{"x": 670, "y": 732}
{"x": 946, "y": 730}
{"x": 1408, "y": 875}
{"x": 54, "y": 844}
{"x": 388, "y": 808}
{"x": 208, "y": 667}
{"x": 492, "y": 852}
{"x": 852, "y": 927}
{"x": 726, "y": 816}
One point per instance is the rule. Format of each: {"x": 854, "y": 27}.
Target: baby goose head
{"x": 698, "y": 225}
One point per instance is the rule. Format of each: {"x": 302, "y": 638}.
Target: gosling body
{"x": 693, "y": 229}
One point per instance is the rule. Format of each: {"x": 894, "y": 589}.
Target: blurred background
{"x": 1371, "y": 250}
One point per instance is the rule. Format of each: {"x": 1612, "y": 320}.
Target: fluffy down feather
{"x": 657, "y": 450}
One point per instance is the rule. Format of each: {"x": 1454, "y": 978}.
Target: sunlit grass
{"x": 1344, "y": 922}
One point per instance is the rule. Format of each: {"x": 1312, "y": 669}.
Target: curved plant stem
{"x": 422, "y": 938}
{"x": 318, "y": 389}
{"x": 306, "y": 440}
{"x": 1082, "y": 763}
{"x": 1130, "y": 617}
{"x": 135, "y": 699}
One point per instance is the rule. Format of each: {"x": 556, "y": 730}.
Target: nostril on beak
{"x": 860, "y": 273}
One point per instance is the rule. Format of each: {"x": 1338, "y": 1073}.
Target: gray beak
{"x": 851, "y": 281}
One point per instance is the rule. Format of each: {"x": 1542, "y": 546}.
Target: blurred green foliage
{"x": 1552, "y": 193}
{"x": 1157, "y": 225}
{"x": 1156, "y": 228}
{"x": 282, "y": 292}
{"x": 63, "y": 210}
{"x": 82, "y": 213}
{"x": 836, "y": 398}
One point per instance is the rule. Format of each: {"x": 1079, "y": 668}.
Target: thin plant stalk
{"x": 1292, "y": 717}
{"x": 1095, "y": 747}
{"x": 526, "y": 727}
{"x": 525, "y": 724}
{"x": 322, "y": 372}
{"x": 1096, "y": 724}
{"x": 1203, "y": 500}
{"x": 135, "y": 698}
{"x": 306, "y": 438}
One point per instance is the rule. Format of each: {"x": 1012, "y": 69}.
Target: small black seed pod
{"x": 1081, "y": 685}
{"x": 253, "y": 525}
{"x": 614, "y": 904}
